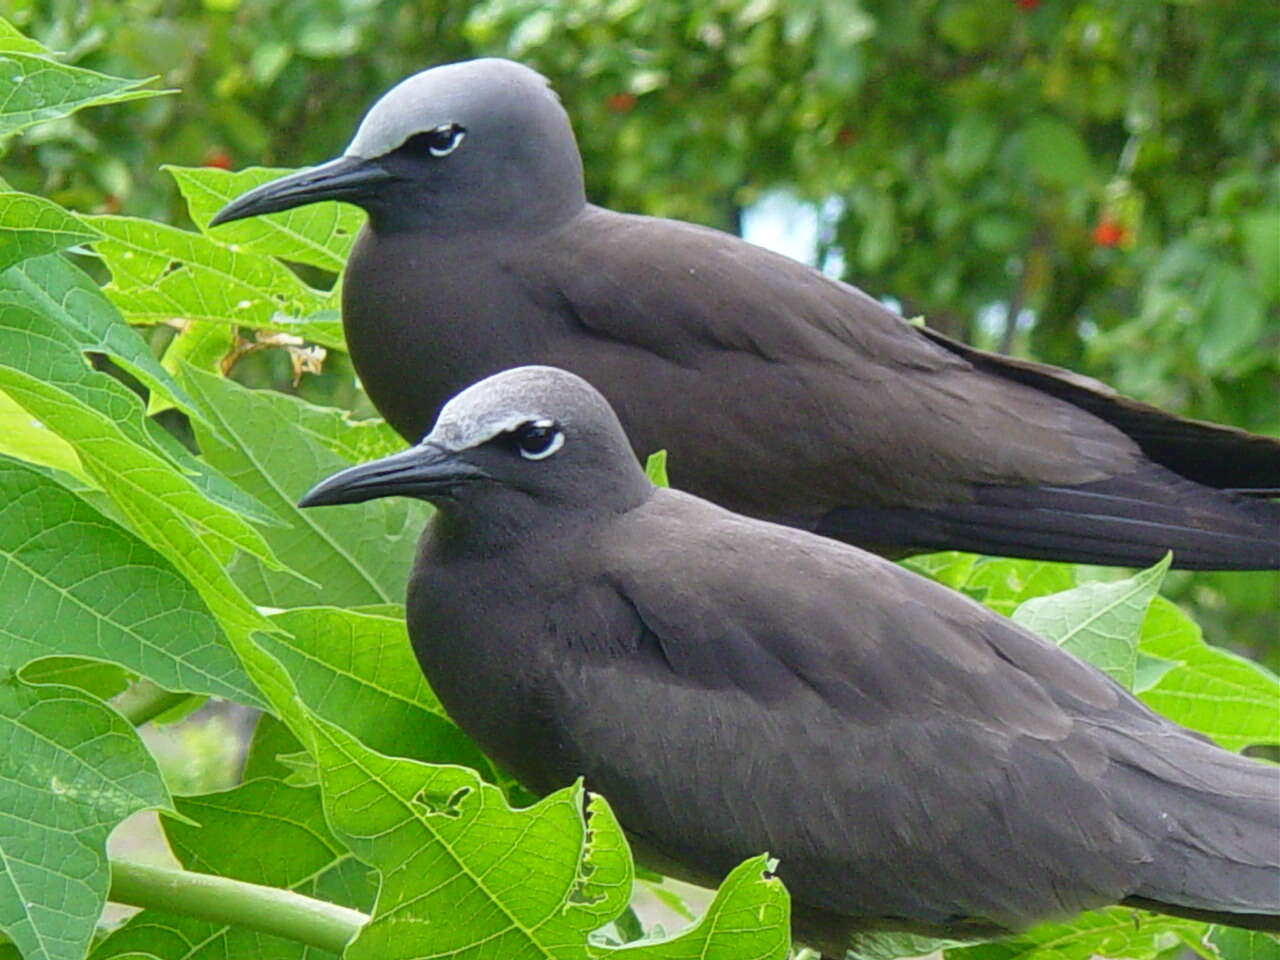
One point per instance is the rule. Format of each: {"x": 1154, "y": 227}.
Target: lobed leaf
{"x": 353, "y": 441}
{"x": 39, "y": 89}
{"x": 271, "y": 740}
{"x": 749, "y": 919}
{"x": 1222, "y": 695}
{"x": 465, "y": 875}
{"x": 62, "y": 292}
{"x": 72, "y": 768}
{"x": 160, "y": 273}
{"x": 1098, "y": 622}
{"x": 949, "y": 568}
{"x": 102, "y": 680}
{"x": 358, "y": 670}
{"x": 33, "y": 347}
{"x": 357, "y": 555}
{"x": 1233, "y": 943}
{"x": 319, "y": 234}
{"x": 74, "y": 582}
{"x": 164, "y": 508}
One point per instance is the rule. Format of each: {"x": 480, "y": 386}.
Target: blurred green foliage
{"x": 1094, "y": 184}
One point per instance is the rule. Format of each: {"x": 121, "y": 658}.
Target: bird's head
{"x": 481, "y": 142}
{"x": 520, "y": 440}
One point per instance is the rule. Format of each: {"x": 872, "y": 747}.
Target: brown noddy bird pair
{"x": 915, "y": 761}
{"x": 778, "y": 392}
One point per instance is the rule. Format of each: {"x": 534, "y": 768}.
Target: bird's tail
{"x": 1129, "y": 520}
{"x": 1224, "y": 458}
{"x": 1215, "y": 817}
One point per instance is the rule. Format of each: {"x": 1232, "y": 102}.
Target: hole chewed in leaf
{"x": 451, "y": 807}
{"x": 582, "y": 891}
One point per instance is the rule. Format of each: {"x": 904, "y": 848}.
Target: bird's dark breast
{"x": 423, "y": 320}
{"x": 483, "y": 650}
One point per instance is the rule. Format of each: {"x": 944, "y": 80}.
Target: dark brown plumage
{"x": 915, "y": 761}
{"x": 778, "y": 392}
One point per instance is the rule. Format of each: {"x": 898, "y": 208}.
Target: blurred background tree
{"x": 1091, "y": 184}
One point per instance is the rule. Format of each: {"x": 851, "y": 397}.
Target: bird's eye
{"x": 439, "y": 142}
{"x": 538, "y": 439}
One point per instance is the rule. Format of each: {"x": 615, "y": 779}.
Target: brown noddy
{"x": 914, "y": 760}
{"x": 778, "y": 392}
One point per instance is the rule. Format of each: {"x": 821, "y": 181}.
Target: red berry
{"x": 217, "y": 157}
{"x": 1108, "y": 233}
{"x": 845, "y": 136}
{"x": 620, "y": 102}
{"x": 1026, "y": 4}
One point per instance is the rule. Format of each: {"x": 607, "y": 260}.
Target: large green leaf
{"x": 71, "y": 580}
{"x": 749, "y": 919}
{"x": 532, "y": 883}
{"x": 161, "y": 273}
{"x": 39, "y": 89}
{"x": 71, "y": 769}
{"x": 320, "y": 234}
{"x": 356, "y": 555}
{"x": 61, "y": 291}
{"x": 1223, "y": 695}
{"x": 353, "y": 441}
{"x": 260, "y": 832}
{"x": 1098, "y": 622}
{"x": 43, "y": 370}
{"x": 33, "y": 226}
{"x": 32, "y": 346}
{"x": 358, "y": 670}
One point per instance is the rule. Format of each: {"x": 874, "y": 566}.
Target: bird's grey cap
{"x": 521, "y": 395}
{"x": 472, "y": 93}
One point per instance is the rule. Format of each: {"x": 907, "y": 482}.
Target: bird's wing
{"x": 903, "y": 751}
{"x": 876, "y": 397}
{"x": 1222, "y": 457}
{"x": 909, "y": 439}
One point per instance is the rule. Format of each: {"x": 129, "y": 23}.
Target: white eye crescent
{"x": 539, "y": 439}
{"x": 445, "y": 139}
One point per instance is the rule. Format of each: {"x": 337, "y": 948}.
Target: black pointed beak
{"x": 424, "y": 471}
{"x": 345, "y": 178}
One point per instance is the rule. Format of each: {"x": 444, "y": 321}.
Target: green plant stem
{"x": 144, "y": 701}
{"x": 283, "y": 913}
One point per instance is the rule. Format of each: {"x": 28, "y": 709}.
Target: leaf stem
{"x": 144, "y": 701}
{"x": 282, "y": 913}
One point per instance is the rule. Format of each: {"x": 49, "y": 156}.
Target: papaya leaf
{"x": 71, "y": 770}
{"x": 319, "y": 234}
